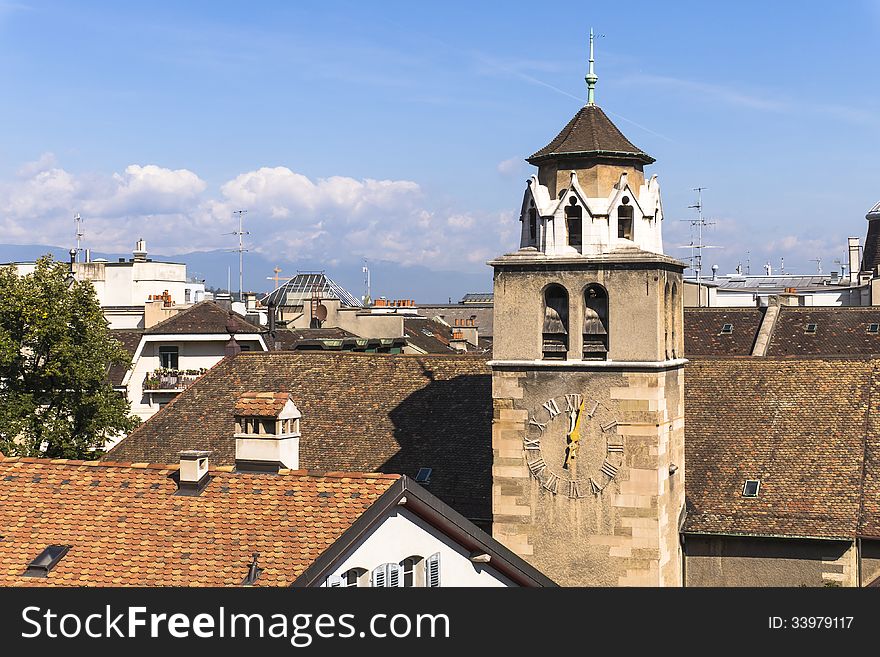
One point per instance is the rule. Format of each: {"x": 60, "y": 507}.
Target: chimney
{"x": 193, "y": 472}
{"x": 266, "y": 432}
{"x": 88, "y": 255}
{"x": 140, "y": 251}
{"x": 232, "y": 347}
{"x": 270, "y": 304}
{"x": 853, "y": 243}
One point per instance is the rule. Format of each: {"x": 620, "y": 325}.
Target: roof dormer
{"x": 267, "y": 432}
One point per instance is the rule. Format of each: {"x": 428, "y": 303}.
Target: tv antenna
{"x": 79, "y": 234}
{"x": 699, "y": 223}
{"x": 368, "y": 301}
{"x": 818, "y": 262}
{"x": 241, "y": 250}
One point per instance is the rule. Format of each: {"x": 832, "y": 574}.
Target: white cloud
{"x": 288, "y": 214}
{"x": 511, "y": 166}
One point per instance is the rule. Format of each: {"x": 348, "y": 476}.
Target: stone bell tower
{"x": 588, "y": 374}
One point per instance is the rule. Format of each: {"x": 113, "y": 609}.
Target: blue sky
{"x": 397, "y": 131}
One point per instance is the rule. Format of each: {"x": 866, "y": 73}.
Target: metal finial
{"x": 591, "y": 78}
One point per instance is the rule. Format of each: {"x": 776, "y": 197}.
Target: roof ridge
{"x": 134, "y": 465}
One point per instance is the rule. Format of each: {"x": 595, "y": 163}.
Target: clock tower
{"x": 588, "y": 375}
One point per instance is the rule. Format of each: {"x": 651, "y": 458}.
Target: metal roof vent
{"x": 254, "y": 571}
{"x": 46, "y": 561}
{"x": 750, "y": 488}
{"x": 423, "y": 476}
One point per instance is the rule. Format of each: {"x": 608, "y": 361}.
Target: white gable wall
{"x": 403, "y": 535}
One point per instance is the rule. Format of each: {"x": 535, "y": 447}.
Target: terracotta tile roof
{"x": 797, "y": 425}
{"x": 261, "y": 404}
{"x": 130, "y": 340}
{"x": 203, "y": 317}
{"x": 126, "y": 527}
{"x": 361, "y": 412}
{"x": 703, "y": 336}
{"x": 839, "y": 331}
{"x": 590, "y": 131}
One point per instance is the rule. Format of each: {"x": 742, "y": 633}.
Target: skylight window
{"x": 46, "y": 561}
{"x": 424, "y": 475}
{"x": 750, "y": 488}
{"x": 810, "y": 328}
{"x": 873, "y": 328}
{"x": 727, "y": 329}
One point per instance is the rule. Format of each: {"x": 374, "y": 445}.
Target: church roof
{"x": 871, "y": 253}
{"x": 591, "y": 132}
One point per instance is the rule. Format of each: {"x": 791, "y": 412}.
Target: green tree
{"x": 55, "y": 352}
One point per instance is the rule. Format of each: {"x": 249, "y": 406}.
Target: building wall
{"x": 625, "y": 535}
{"x": 737, "y": 561}
{"x": 870, "y": 561}
{"x": 404, "y": 535}
{"x": 595, "y": 178}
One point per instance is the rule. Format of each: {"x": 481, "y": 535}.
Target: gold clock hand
{"x": 573, "y": 437}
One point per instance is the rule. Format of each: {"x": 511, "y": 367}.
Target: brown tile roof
{"x": 203, "y": 317}
{"x": 797, "y": 425}
{"x": 590, "y": 131}
{"x": 290, "y": 339}
{"x": 126, "y": 527}
{"x": 839, "y": 331}
{"x": 481, "y": 313}
{"x": 703, "y": 336}
{"x": 430, "y": 336}
{"x": 361, "y": 412}
{"x": 261, "y": 404}
{"x": 130, "y": 340}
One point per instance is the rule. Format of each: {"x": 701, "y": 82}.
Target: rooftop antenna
{"x": 368, "y": 300}
{"x": 241, "y": 250}
{"x": 79, "y": 234}
{"x": 818, "y": 262}
{"x": 782, "y": 266}
{"x": 748, "y": 262}
{"x": 697, "y": 249}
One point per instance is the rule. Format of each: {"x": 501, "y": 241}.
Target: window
{"x": 412, "y": 571}
{"x": 574, "y": 224}
{"x": 432, "y": 571}
{"x": 810, "y": 329}
{"x": 533, "y": 223}
{"x": 873, "y": 328}
{"x": 349, "y": 579}
{"x": 555, "y": 328}
{"x": 168, "y": 357}
{"x": 386, "y": 575}
{"x": 727, "y": 329}
{"x": 46, "y": 561}
{"x": 423, "y": 476}
{"x": 750, "y": 488}
{"x": 625, "y": 222}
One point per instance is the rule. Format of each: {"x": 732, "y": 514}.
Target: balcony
{"x": 167, "y": 380}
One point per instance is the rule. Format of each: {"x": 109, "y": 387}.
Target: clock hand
{"x": 572, "y": 438}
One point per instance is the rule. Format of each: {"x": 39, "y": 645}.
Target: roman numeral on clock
{"x": 608, "y": 427}
{"x": 596, "y": 488}
{"x": 594, "y": 409}
{"x": 609, "y": 469}
{"x": 551, "y": 483}
{"x": 574, "y": 491}
{"x": 534, "y": 423}
{"x": 573, "y": 403}
{"x": 552, "y": 408}
{"x": 532, "y": 443}
{"x": 615, "y": 447}
{"x": 537, "y": 466}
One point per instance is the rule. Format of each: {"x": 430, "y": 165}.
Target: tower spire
{"x": 591, "y": 78}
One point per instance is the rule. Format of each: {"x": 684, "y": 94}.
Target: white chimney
{"x": 140, "y": 251}
{"x": 266, "y": 432}
{"x": 193, "y": 471}
{"x": 854, "y": 265}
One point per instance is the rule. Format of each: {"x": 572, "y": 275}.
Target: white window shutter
{"x": 334, "y": 580}
{"x": 432, "y": 570}
{"x": 379, "y": 576}
{"x": 393, "y": 574}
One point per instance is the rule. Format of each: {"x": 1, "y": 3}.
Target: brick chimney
{"x": 266, "y": 432}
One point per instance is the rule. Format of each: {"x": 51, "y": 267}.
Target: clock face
{"x": 572, "y": 446}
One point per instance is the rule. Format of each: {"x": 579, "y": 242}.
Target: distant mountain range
{"x": 217, "y": 268}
